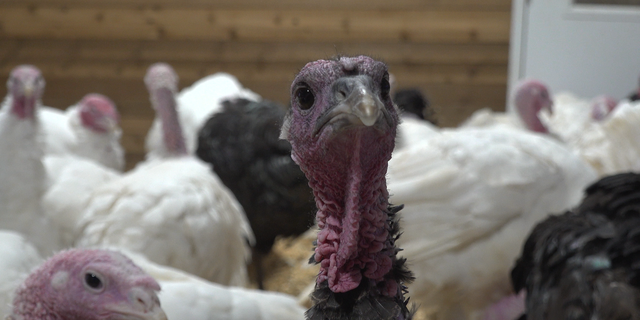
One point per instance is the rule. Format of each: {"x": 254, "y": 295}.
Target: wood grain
{"x": 264, "y": 52}
{"x": 32, "y": 21}
{"x": 504, "y": 5}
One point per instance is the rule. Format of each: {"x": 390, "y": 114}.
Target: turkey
{"x": 23, "y": 176}
{"x": 184, "y": 296}
{"x": 470, "y": 196}
{"x": 583, "y": 264}
{"x": 414, "y": 126}
{"x": 195, "y": 105}
{"x": 173, "y": 209}
{"x": 342, "y": 127}
{"x": 529, "y": 98}
{"x": 242, "y": 145}
{"x": 608, "y": 144}
{"x": 602, "y": 106}
{"x": 87, "y": 284}
{"x": 19, "y": 258}
{"x": 88, "y": 129}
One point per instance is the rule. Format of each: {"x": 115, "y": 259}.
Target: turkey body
{"x": 412, "y": 131}
{"x": 23, "y": 175}
{"x": 242, "y": 145}
{"x": 176, "y": 213}
{"x": 470, "y": 196}
{"x": 583, "y": 264}
{"x": 486, "y": 117}
{"x": 71, "y": 181}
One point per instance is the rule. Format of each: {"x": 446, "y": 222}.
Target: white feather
{"x": 609, "y": 146}
{"x": 176, "y": 213}
{"x": 412, "y": 131}
{"x": 487, "y": 118}
{"x": 72, "y": 181}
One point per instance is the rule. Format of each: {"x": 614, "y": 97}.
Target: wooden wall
{"x": 455, "y": 50}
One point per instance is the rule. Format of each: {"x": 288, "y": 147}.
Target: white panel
{"x": 586, "y": 49}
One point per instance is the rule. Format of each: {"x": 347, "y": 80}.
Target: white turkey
{"x": 529, "y": 97}
{"x": 88, "y": 129}
{"x": 195, "y": 105}
{"x": 22, "y": 181}
{"x": 618, "y": 147}
{"x": 603, "y": 133}
{"x": 184, "y": 296}
{"x": 173, "y": 209}
{"x": 19, "y": 257}
{"x": 470, "y": 196}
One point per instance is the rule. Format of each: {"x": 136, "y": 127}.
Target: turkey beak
{"x": 143, "y": 304}
{"x": 29, "y": 89}
{"x": 355, "y": 104}
{"x": 156, "y": 314}
{"x": 356, "y": 98}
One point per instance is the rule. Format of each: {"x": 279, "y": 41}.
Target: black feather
{"x": 414, "y": 102}
{"x": 242, "y": 144}
{"x": 585, "y": 263}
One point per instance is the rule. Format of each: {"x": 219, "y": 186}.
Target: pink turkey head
{"x": 601, "y": 107}
{"x": 530, "y": 97}
{"x": 98, "y": 113}
{"x": 331, "y": 96}
{"x": 161, "y": 76}
{"x": 162, "y": 83}
{"x": 26, "y": 86}
{"x": 88, "y": 284}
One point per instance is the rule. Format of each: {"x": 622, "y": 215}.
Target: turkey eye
{"x": 92, "y": 281}
{"x": 305, "y": 98}
{"x": 385, "y": 86}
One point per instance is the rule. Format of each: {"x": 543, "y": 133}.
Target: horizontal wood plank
{"x": 504, "y": 5}
{"x": 257, "y": 72}
{"x": 264, "y": 52}
{"x": 32, "y": 21}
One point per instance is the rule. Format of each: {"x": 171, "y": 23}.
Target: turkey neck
{"x": 348, "y": 181}
{"x": 528, "y": 111}
{"x": 171, "y": 129}
{"x": 24, "y": 107}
